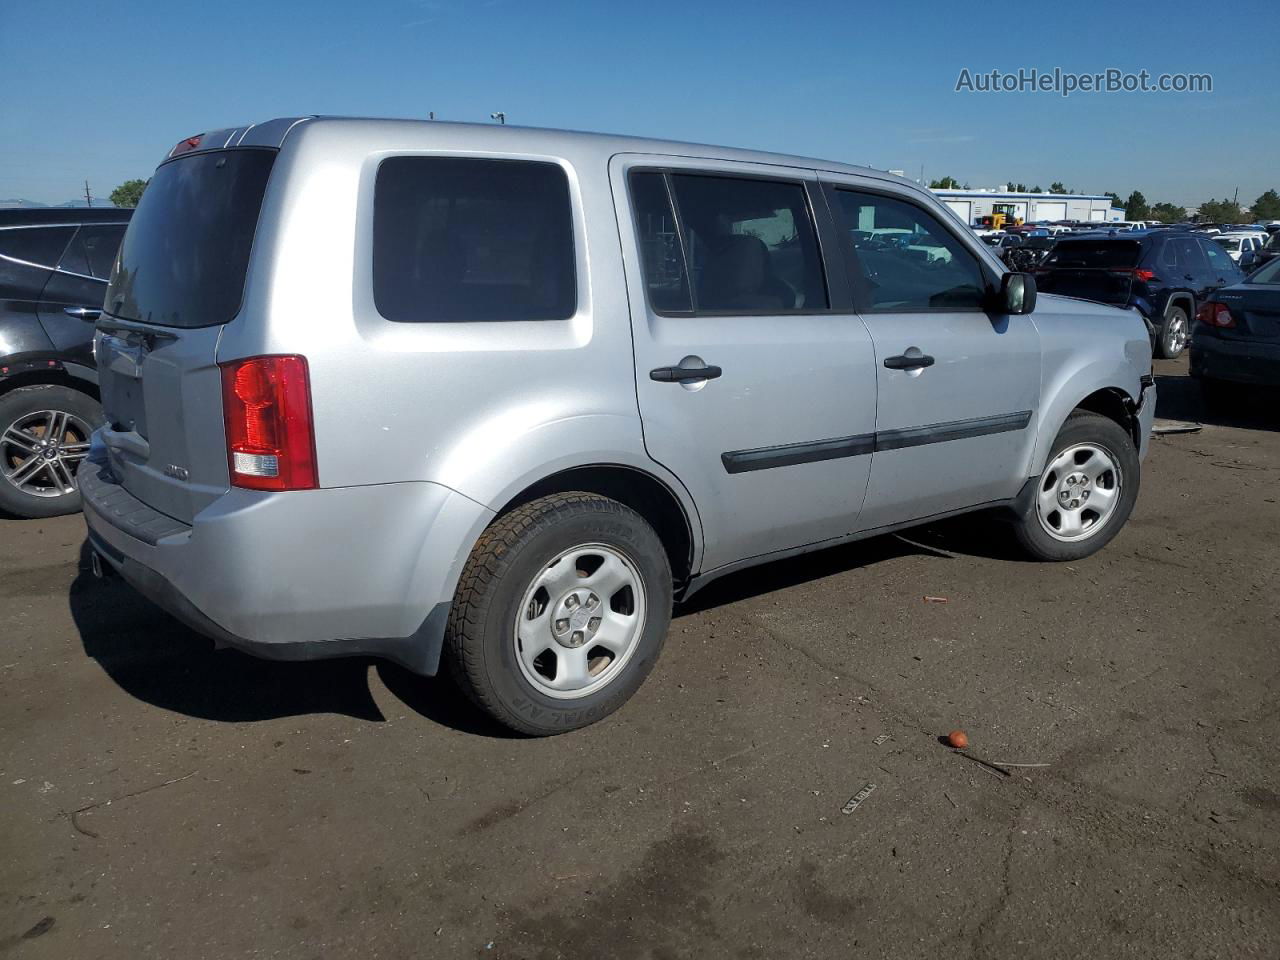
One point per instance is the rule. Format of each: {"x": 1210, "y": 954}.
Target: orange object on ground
{"x": 958, "y": 739}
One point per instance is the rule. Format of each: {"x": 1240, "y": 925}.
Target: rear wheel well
{"x": 50, "y": 377}
{"x": 642, "y": 492}
{"x": 1114, "y": 404}
{"x": 1184, "y": 300}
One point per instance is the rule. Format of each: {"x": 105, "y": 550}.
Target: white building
{"x": 969, "y": 205}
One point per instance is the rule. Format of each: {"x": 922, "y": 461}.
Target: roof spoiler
{"x": 269, "y": 134}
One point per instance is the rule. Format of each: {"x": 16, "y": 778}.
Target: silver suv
{"x": 493, "y": 398}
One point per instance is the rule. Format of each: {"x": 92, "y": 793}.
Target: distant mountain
{"x": 33, "y": 204}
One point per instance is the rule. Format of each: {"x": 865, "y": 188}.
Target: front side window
{"x": 1219, "y": 262}
{"x": 457, "y": 239}
{"x": 750, "y": 245}
{"x": 903, "y": 260}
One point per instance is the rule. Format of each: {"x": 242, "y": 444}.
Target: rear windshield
{"x": 1107, "y": 254}
{"x": 184, "y": 257}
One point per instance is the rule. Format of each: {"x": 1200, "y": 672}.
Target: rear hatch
{"x": 178, "y": 281}
{"x": 1100, "y": 269}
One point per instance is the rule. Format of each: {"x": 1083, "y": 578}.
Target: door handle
{"x": 677, "y": 374}
{"x": 87, "y": 314}
{"x": 904, "y": 362}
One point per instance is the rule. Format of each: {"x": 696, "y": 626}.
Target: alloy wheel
{"x": 40, "y": 452}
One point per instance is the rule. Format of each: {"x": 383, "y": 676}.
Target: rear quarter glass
{"x": 184, "y": 257}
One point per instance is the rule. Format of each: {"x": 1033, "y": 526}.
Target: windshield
{"x": 185, "y": 254}
{"x": 1107, "y": 254}
{"x": 1231, "y": 243}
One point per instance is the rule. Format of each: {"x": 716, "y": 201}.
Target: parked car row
{"x": 54, "y": 268}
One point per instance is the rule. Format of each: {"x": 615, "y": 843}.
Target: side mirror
{"x": 1017, "y": 294}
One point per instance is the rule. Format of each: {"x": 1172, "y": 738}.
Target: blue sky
{"x": 852, "y": 81}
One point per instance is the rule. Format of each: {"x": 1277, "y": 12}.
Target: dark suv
{"x": 1164, "y": 274}
{"x": 54, "y": 267}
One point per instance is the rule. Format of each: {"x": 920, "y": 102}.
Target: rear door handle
{"x": 904, "y": 362}
{"x": 678, "y": 374}
{"x": 87, "y": 314}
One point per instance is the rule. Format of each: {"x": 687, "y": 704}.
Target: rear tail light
{"x": 1138, "y": 273}
{"x": 266, "y": 403}
{"x": 1215, "y": 315}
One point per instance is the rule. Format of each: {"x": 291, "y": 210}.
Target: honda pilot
{"x": 489, "y": 399}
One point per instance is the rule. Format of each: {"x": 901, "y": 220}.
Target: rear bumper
{"x": 297, "y": 576}
{"x": 1240, "y": 361}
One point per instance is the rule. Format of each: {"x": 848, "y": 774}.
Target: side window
{"x": 749, "y": 245}
{"x": 1169, "y": 255}
{"x": 461, "y": 239}
{"x": 661, "y": 254}
{"x": 74, "y": 259}
{"x": 1220, "y": 264}
{"x": 39, "y": 245}
{"x": 1190, "y": 257}
{"x": 101, "y": 244}
{"x": 904, "y": 260}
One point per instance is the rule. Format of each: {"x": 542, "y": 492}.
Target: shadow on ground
{"x": 1250, "y": 408}
{"x": 160, "y": 661}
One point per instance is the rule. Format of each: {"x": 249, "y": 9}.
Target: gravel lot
{"x": 163, "y": 799}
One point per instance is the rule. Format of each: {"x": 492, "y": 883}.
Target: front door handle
{"x": 678, "y": 374}
{"x": 87, "y": 314}
{"x": 904, "y": 362}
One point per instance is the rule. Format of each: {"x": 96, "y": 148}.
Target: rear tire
{"x": 1174, "y": 333}
{"x": 514, "y": 642}
{"x": 1086, "y": 492}
{"x": 31, "y": 487}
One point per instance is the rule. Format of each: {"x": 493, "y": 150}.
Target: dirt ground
{"x": 161, "y": 799}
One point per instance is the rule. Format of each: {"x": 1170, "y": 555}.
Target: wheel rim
{"x": 40, "y": 452}
{"x": 1176, "y": 338}
{"x": 1079, "y": 492}
{"x": 580, "y": 621}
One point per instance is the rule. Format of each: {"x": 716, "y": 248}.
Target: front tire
{"x": 44, "y": 436}
{"x": 1086, "y": 492}
{"x": 560, "y": 614}
{"x": 1174, "y": 333}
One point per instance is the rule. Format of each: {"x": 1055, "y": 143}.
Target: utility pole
{"x": 87, "y": 198}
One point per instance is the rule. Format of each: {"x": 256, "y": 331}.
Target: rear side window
{"x": 461, "y": 239}
{"x": 1190, "y": 256}
{"x": 39, "y": 245}
{"x": 661, "y": 252}
{"x": 186, "y": 252}
{"x": 749, "y": 245}
{"x": 101, "y": 243}
{"x": 1104, "y": 254}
